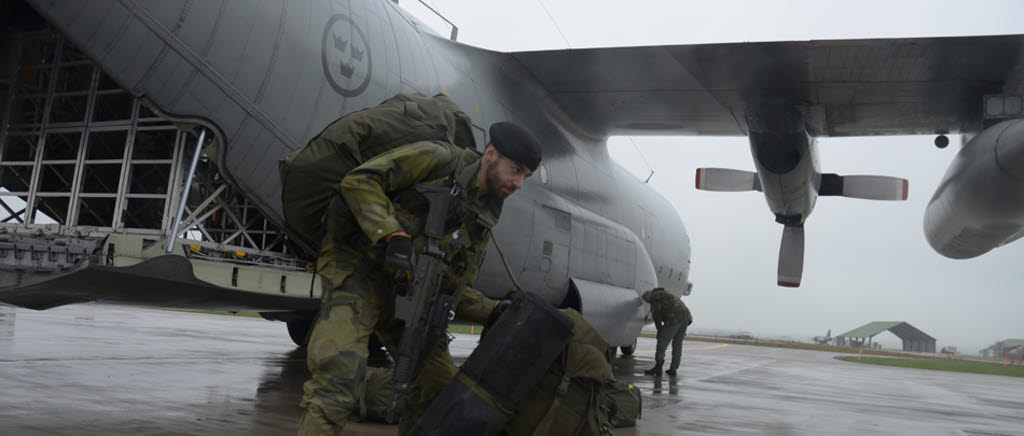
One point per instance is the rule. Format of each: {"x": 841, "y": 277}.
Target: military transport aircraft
{"x": 102, "y": 117}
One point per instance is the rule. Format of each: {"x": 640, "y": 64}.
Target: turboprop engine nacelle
{"x": 980, "y": 203}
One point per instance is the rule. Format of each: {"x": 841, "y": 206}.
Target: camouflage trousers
{"x": 670, "y": 334}
{"x": 337, "y": 353}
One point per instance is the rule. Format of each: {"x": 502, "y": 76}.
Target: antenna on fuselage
{"x": 455, "y": 29}
{"x": 559, "y": 29}
{"x": 644, "y": 158}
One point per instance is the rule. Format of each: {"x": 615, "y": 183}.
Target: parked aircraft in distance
{"x": 823, "y": 340}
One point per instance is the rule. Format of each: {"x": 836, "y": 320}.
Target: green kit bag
{"x": 310, "y": 177}
{"x": 569, "y": 399}
{"x": 624, "y": 403}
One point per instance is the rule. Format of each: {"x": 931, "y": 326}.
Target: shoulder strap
{"x": 562, "y": 388}
{"x": 362, "y": 400}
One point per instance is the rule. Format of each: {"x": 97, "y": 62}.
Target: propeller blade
{"x": 727, "y": 180}
{"x": 791, "y": 256}
{"x": 876, "y": 188}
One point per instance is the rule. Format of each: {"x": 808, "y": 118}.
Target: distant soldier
{"x": 671, "y": 317}
{"x": 374, "y": 230}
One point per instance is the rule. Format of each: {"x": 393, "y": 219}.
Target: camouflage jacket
{"x": 668, "y": 309}
{"x": 379, "y": 199}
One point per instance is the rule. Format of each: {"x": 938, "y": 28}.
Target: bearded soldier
{"x": 373, "y": 230}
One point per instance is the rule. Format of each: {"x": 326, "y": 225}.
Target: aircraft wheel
{"x": 629, "y": 349}
{"x": 298, "y": 330}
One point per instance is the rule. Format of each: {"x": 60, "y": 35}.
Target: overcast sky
{"x": 864, "y": 261}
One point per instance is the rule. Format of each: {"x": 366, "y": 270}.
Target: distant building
{"x": 1005, "y": 349}
{"x": 913, "y": 339}
{"x": 1014, "y": 353}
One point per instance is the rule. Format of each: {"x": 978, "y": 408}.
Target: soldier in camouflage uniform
{"x": 373, "y": 229}
{"x": 671, "y": 317}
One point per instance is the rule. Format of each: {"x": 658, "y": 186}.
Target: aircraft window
{"x": 563, "y": 221}
{"x": 543, "y": 174}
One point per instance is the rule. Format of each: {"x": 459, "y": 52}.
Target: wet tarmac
{"x": 93, "y": 369}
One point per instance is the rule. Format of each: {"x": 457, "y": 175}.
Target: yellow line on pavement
{"x": 709, "y": 347}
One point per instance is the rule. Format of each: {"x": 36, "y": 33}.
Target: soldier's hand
{"x": 500, "y": 307}
{"x": 398, "y": 259}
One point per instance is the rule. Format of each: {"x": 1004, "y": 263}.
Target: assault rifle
{"x": 420, "y": 306}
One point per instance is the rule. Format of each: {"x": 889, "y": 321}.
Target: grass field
{"x": 465, "y": 329}
{"x": 943, "y": 365}
{"x": 789, "y": 344}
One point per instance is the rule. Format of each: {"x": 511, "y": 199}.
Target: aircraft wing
{"x": 846, "y": 87}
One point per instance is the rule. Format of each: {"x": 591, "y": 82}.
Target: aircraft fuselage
{"x": 267, "y": 79}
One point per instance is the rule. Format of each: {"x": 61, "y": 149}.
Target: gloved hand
{"x": 499, "y": 307}
{"x": 398, "y": 259}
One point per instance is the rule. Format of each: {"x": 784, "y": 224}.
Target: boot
{"x": 671, "y": 373}
{"x": 656, "y": 371}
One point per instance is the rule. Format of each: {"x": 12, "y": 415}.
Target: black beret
{"x": 516, "y": 143}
